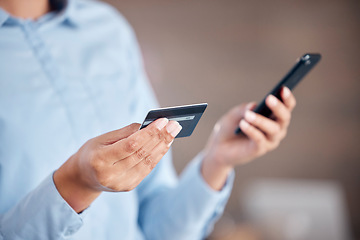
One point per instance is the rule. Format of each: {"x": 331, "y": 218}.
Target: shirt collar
{"x": 3, "y": 16}
{"x": 66, "y": 13}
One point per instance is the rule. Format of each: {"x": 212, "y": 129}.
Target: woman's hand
{"x": 225, "y": 150}
{"x": 116, "y": 161}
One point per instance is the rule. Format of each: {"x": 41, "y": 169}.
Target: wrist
{"x": 72, "y": 188}
{"x": 215, "y": 172}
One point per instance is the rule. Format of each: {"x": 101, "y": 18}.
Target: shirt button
{"x": 71, "y": 230}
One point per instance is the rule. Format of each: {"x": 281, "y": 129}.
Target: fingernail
{"x": 250, "y": 116}
{"x": 161, "y": 123}
{"x": 173, "y": 128}
{"x": 272, "y": 100}
{"x": 244, "y": 125}
{"x": 286, "y": 92}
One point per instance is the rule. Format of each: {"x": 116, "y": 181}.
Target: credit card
{"x": 187, "y": 116}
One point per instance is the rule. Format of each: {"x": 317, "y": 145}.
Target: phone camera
{"x": 306, "y": 57}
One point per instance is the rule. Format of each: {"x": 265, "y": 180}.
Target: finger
{"x": 252, "y": 132}
{"x": 133, "y": 176}
{"x": 237, "y": 112}
{"x": 166, "y": 136}
{"x": 128, "y": 146}
{"x": 143, "y": 168}
{"x": 266, "y": 125}
{"x": 231, "y": 120}
{"x": 116, "y": 135}
{"x": 281, "y": 112}
{"x": 288, "y": 98}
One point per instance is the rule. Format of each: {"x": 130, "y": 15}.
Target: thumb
{"x": 250, "y": 106}
{"x": 116, "y": 135}
{"x": 238, "y": 112}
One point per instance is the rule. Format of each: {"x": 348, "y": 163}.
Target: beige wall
{"x": 230, "y": 51}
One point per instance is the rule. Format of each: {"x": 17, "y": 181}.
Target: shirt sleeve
{"x": 43, "y": 214}
{"x": 187, "y": 209}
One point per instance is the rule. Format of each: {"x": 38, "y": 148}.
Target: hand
{"x": 225, "y": 150}
{"x": 116, "y": 161}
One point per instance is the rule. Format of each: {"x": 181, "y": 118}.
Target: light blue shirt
{"x": 66, "y": 78}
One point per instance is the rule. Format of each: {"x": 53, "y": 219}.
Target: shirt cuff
{"x": 42, "y": 214}
{"x": 225, "y": 190}
{"x": 206, "y": 201}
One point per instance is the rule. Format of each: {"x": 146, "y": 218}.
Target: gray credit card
{"x": 187, "y": 116}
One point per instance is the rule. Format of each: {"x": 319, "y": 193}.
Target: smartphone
{"x": 303, "y": 65}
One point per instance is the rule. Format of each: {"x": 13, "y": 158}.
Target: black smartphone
{"x": 294, "y": 76}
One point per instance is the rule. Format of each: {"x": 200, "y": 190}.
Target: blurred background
{"x": 233, "y": 51}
